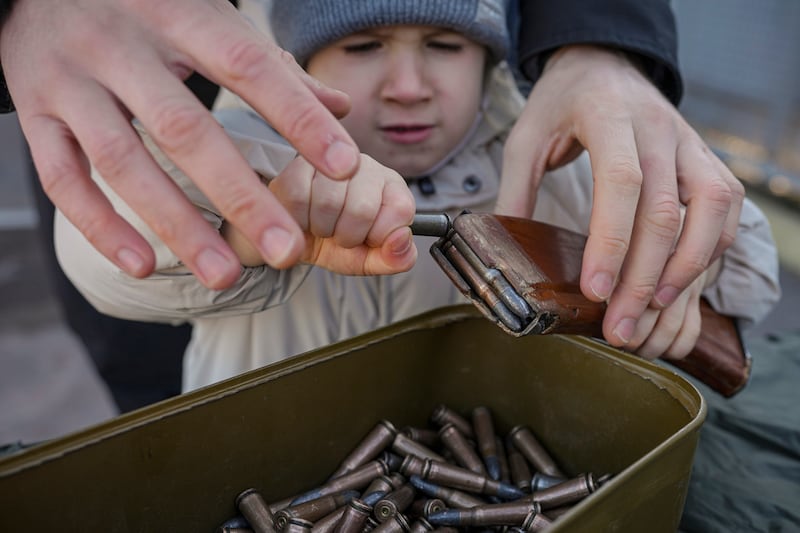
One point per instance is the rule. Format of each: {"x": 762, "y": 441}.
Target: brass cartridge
{"x": 452, "y": 497}
{"x": 495, "y": 514}
{"x": 452, "y": 476}
{"x": 274, "y": 507}
{"x": 529, "y": 446}
{"x": 392, "y": 460}
{"x": 567, "y": 492}
{"x": 484, "y": 291}
{"x": 426, "y": 437}
{"x": 420, "y": 525}
{"x": 354, "y": 480}
{"x": 405, "y": 446}
{"x": 255, "y": 510}
{"x": 377, "y": 440}
{"x": 541, "y": 481}
{"x": 495, "y": 279}
{"x": 463, "y": 452}
{"x": 397, "y": 523}
{"x": 313, "y": 510}
{"x": 483, "y": 424}
{"x": 298, "y": 525}
{"x": 521, "y": 476}
{"x": 328, "y": 523}
{"x": 354, "y": 517}
{"x": 443, "y": 415}
{"x": 535, "y": 521}
{"x": 422, "y": 507}
{"x": 370, "y": 524}
{"x": 381, "y": 486}
{"x": 395, "y": 502}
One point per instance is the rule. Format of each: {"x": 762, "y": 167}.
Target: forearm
{"x": 645, "y": 28}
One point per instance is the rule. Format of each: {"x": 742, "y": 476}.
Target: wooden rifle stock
{"x": 543, "y": 264}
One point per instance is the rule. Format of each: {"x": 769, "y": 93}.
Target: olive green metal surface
{"x": 178, "y": 465}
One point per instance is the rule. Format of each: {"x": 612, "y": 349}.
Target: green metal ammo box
{"x": 179, "y": 464}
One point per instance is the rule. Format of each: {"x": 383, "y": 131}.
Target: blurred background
{"x": 742, "y": 78}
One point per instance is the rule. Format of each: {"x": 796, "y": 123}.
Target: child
{"x": 431, "y": 99}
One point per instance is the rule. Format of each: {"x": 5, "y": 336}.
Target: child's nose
{"x": 406, "y": 80}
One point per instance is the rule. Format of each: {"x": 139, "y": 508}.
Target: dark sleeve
{"x": 645, "y": 28}
{"x": 5, "y": 99}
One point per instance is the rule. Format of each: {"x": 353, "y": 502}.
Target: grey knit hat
{"x": 304, "y": 26}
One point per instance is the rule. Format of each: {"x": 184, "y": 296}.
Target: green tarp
{"x": 746, "y": 473}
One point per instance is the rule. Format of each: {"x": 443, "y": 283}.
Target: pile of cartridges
{"x": 461, "y": 475}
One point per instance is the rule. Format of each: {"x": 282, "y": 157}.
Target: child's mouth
{"x": 407, "y": 134}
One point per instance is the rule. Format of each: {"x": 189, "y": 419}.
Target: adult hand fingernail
{"x": 214, "y": 267}
{"x": 341, "y": 159}
{"x": 131, "y": 262}
{"x": 276, "y": 246}
{"x": 602, "y": 284}
{"x": 625, "y": 330}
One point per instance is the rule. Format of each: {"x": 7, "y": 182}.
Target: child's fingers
{"x": 362, "y": 204}
{"x": 675, "y": 331}
{"x": 292, "y": 188}
{"x": 397, "y": 211}
{"x": 327, "y": 201}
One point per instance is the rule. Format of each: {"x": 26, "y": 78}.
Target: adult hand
{"x": 78, "y": 71}
{"x": 647, "y": 162}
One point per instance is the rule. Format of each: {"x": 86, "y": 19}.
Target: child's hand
{"x": 672, "y": 332}
{"x": 355, "y": 227}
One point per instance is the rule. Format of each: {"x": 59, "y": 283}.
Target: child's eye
{"x": 446, "y": 46}
{"x": 362, "y": 47}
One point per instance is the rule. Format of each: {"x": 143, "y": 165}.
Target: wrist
{"x": 575, "y": 53}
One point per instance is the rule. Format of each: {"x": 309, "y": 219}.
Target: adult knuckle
{"x": 245, "y": 59}
{"x": 165, "y": 227}
{"x": 721, "y": 194}
{"x": 178, "y": 125}
{"x": 694, "y": 265}
{"x": 111, "y": 153}
{"x": 614, "y": 246}
{"x": 93, "y": 224}
{"x": 639, "y": 292}
{"x": 237, "y": 202}
{"x": 58, "y": 177}
{"x": 664, "y": 217}
{"x": 624, "y": 172}
{"x": 737, "y": 190}
{"x": 286, "y": 57}
{"x": 302, "y": 117}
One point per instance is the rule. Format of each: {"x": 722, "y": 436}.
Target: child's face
{"x": 415, "y": 90}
